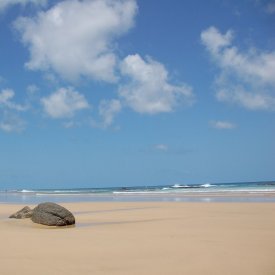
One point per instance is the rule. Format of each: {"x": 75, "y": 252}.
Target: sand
{"x": 144, "y": 238}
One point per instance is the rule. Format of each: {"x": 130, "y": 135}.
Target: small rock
{"x": 52, "y": 214}
{"x": 24, "y": 213}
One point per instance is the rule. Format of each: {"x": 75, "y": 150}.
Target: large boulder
{"x": 24, "y": 213}
{"x": 52, "y": 214}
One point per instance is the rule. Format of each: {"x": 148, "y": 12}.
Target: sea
{"x": 207, "y": 192}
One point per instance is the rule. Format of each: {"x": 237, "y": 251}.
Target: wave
{"x": 206, "y": 185}
{"x": 160, "y": 189}
{"x": 25, "y": 191}
{"x": 181, "y": 186}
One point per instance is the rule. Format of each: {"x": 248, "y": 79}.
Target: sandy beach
{"x": 144, "y": 238}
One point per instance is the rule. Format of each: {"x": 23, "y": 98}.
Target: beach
{"x": 143, "y": 238}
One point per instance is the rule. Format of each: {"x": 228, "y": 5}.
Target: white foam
{"x": 207, "y": 185}
{"x": 26, "y": 191}
{"x": 180, "y": 186}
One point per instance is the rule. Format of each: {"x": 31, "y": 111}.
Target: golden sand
{"x": 144, "y": 238}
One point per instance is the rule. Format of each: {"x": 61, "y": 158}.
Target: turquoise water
{"x": 208, "y": 192}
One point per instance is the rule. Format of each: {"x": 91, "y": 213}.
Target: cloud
{"x": 148, "y": 90}
{"x": 222, "y": 125}
{"x": 270, "y": 8}
{"x": 32, "y": 89}
{"x": 246, "y": 78}
{"x": 10, "y": 122}
{"x": 248, "y": 97}
{"x": 64, "y": 103}
{"x": 108, "y": 109}
{"x": 167, "y": 149}
{"x": 69, "y": 124}
{"x": 6, "y": 3}
{"x": 76, "y": 38}
{"x": 214, "y": 41}
{"x": 161, "y": 147}
{"x": 6, "y": 102}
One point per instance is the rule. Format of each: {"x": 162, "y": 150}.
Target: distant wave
{"x": 177, "y": 188}
{"x": 25, "y": 191}
{"x": 181, "y": 186}
{"x": 137, "y": 192}
{"x": 206, "y": 185}
{"x": 53, "y": 191}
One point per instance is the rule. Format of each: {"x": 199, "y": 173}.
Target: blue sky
{"x": 100, "y": 93}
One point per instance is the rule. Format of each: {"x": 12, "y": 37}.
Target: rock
{"x": 24, "y": 213}
{"x": 52, "y": 214}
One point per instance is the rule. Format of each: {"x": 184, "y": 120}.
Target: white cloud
{"x": 222, "y": 125}
{"x": 69, "y": 124}
{"x": 148, "y": 90}
{"x": 32, "y": 89}
{"x": 6, "y": 3}
{"x": 214, "y": 41}
{"x": 6, "y": 97}
{"x": 108, "y": 109}
{"x": 251, "y": 99}
{"x": 270, "y": 8}
{"x": 76, "y": 38}
{"x": 161, "y": 147}
{"x": 247, "y": 79}
{"x": 10, "y": 122}
{"x": 64, "y": 103}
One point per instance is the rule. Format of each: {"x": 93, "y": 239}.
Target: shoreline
{"x": 196, "y": 197}
{"x": 144, "y": 238}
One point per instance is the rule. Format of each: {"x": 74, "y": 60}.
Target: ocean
{"x": 208, "y": 192}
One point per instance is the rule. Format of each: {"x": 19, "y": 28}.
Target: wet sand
{"x": 144, "y": 238}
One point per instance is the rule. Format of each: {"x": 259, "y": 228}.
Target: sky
{"x": 100, "y": 93}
